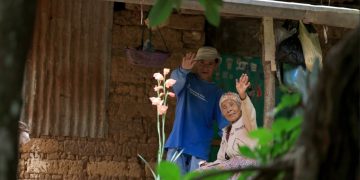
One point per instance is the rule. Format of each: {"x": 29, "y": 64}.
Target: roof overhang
{"x": 317, "y": 14}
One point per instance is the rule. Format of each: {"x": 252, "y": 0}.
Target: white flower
{"x": 166, "y": 71}
{"x": 158, "y": 76}
{"x": 157, "y": 88}
{"x": 170, "y": 82}
{"x": 156, "y": 101}
{"x": 161, "y": 109}
{"x": 171, "y": 94}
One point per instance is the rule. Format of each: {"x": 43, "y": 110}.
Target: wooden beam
{"x": 325, "y": 15}
{"x": 269, "y": 42}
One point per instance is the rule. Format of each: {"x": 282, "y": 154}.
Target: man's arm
{"x": 179, "y": 75}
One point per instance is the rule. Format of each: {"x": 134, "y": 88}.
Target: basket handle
{"x": 150, "y": 34}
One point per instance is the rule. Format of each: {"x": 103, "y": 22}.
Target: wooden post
{"x": 268, "y": 60}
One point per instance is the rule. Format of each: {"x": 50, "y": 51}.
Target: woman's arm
{"x": 247, "y": 108}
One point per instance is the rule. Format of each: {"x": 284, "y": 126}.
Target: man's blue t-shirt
{"x": 197, "y": 108}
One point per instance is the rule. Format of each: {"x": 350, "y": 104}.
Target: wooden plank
{"x": 269, "y": 75}
{"x": 269, "y": 42}
{"x": 317, "y": 14}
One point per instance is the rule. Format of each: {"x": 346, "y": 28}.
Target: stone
{"x": 56, "y": 177}
{"x": 126, "y": 36}
{"x": 104, "y": 168}
{"x": 53, "y": 156}
{"x": 187, "y": 22}
{"x": 127, "y": 18}
{"x": 193, "y": 37}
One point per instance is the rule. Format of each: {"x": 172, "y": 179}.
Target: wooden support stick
{"x": 268, "y": 61}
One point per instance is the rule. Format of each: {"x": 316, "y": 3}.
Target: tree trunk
{"x": 16, "y": 22}
{"x": 330, "y": 137}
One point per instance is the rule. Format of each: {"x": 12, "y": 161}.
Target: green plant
{"x": 162, "y": 91}
{"x": 278, "y": 140}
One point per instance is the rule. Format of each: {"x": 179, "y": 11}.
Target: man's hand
{"x": 242, "y": 84}
{"x": 188, "y": 61}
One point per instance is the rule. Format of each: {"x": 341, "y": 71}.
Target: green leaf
{"x": 264, "y": 154}
{"x": 294, "y": 122}
{"x": 294, "y": 136}
{"x": 212, "y": 13}
{"x": 288, "y": 100}
{"x": 160, "y": 12}
{"x": 277, "y": 149}
{"x": 280, "y": 176}
{"x": 246, "y": 151}
{"x": 245, "y": 175}
{"x": 264, "y": 136}
{"x": 279, "y": 125}
{"x": 217, "y": 2}
{"x": 192, "y": 175}
{"x": 198, "y": 174}
{"x": 168, "y": 171}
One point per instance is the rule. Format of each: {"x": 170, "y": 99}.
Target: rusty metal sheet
{"x": 67, "y": 71}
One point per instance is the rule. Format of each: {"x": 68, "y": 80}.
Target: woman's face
{"x": 231, "y": 110}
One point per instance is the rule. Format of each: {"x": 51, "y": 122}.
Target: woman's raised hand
{"x": 242, "y": 84}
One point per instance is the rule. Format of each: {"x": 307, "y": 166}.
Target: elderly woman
{"x": 240, "y": 112}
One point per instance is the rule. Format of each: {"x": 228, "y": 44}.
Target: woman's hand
{"x": 188, "y": 61}
{"x": 242, "y": 84}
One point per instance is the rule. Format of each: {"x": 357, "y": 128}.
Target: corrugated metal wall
{"x": 67, "y": 73}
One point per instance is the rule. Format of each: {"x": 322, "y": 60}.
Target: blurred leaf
{"x": 160, "y": 12}
{"x": 277, "y": 149}
{"x": 288, "y": 100}
{"x": 293, "y": 123}
{"x": 197, "y": 174}
{"x": 193, "y": 175}
{"x": 263, "y": 135}
{"x": 245, "y": 175}
{"x": 264, "y": 153}
{"x": 168, "y": 171}
{"x": 217, "y": 2}
{"x": 294, "y": 135}
{"x": 279, "y": 125}
{"x": 246, "y": 151}
{"x": 284, "y": 125}
{"x": 212, "y": 10}
{"x": 280, "y": 176}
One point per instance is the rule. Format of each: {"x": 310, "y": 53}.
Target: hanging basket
{"x": 146, "y": 58}
{"x": 146, "y": 55}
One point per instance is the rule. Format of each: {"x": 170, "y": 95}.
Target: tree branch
{"x": 274, "y": 168}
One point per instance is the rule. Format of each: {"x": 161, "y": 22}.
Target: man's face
{"x": 230, "y": 110}
{"x": 205, "y": 69}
